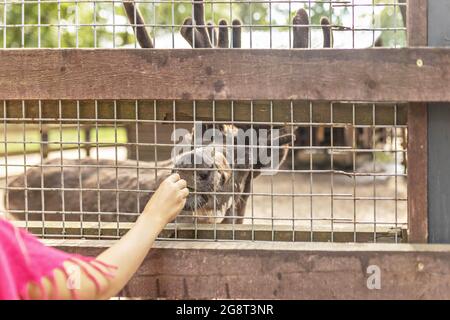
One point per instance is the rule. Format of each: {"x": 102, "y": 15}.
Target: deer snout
{"x": 195, "y": 166}
{"x": 203, "y": 175}
{"x": 195, "y": 178}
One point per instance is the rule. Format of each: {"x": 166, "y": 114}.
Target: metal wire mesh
{"x": 343, "y": 179}
{"x": 87, "y": 168}
{"x": 264, "y": 23}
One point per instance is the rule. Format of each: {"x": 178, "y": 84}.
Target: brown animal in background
{"x": 109, "y": 190}
{"x": 71, "y": 187}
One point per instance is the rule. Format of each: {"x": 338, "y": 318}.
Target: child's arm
{"x": 129, "y": 252}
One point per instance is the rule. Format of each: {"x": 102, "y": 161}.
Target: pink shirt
{"x": 24, "y": 260}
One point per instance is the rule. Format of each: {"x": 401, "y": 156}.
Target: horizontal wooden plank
{"x": 341, "y": 232}
{"x": 231, "y": 270}
{"x": 376, "y": 75}
{"x": 128, "y": 111}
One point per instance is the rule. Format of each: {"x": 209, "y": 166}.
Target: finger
{"x": 199, "y": 13}
{"x": 181, "y": 205}
{"x": 199, "y": 18}
{"x": 301, "y": 29}
{"x": 236, "y": 33}
{"x": 181, "y": 183}
{"x": 138, "y": 24}
{"x": 223, "y": 34}
{"x": 192, "y": 35}
{"x": 327, "y": 33}
{"x": 184, "y": 192}
{"x": 174, "y": 177}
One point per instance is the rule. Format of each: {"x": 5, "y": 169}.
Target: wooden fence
{"x": 411, "y": 77}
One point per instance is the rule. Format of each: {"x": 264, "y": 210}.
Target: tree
{"x": 90, "y": 24}
{"x": 55, "y": 26}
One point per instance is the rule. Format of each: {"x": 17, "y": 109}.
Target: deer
{"x": 110, "y": 190}
{"x": 199, "y": 34}
{"x": 104, "y": 189}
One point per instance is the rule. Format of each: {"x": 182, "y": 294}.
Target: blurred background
{"x": 104, "y": 24}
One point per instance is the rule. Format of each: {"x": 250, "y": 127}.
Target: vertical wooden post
{"x": 417, "y": 22}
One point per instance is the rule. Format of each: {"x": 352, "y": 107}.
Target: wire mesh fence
{"x": 257, "y": 170}
{"x": 160, "y": 23}
{"x": 332, "y": 172}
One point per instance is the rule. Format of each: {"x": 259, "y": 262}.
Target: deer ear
{"x": 284, "y": 139}
{"x": 277, "y": 147}
{"x": 222, "y": 165}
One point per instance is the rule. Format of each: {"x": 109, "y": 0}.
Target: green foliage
{"x": 389, "y": 20}
{"x": 175, "y": 13}
{"x": 391, "y": 17}
{"x": 95, "y": 20}
{"x": 320, "y": 9}
{"x": 70, "y": 136}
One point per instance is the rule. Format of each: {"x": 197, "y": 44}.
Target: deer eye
{"x": 203, "y": 175}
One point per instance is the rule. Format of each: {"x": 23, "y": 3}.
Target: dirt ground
{"x": 318, "y": 198}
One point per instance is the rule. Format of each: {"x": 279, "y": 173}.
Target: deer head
{"x": 220, "y": 162}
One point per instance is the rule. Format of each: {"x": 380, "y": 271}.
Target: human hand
{"x": 168, "y": 200}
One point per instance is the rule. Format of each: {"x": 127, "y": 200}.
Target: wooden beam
{"x": 375, "y": 75}
{"x": 417, "y": 25}
{"x": 417, "y": 173}
{"x": 418, "y": 135}
{"x": 238, "y": 270}
{"x": 124, "y": 111}
{"x": 341, "y": 232}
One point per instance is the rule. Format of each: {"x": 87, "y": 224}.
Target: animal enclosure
{"x": 84, "y": 162}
